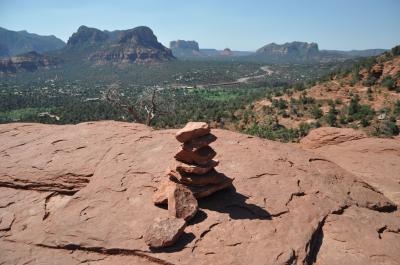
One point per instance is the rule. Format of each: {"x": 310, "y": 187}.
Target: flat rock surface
{"x": 374, "y": 160}
{"x": 330, "y": 136}
{"x": 83, "y": 193}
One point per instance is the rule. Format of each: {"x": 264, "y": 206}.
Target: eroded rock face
{"x": 30, "y": 62}
{"x": 120, "y": 47}
{"x": 289, "y": 206}
{"x": 138, "y": 45}
{"x": 164, "y": 232}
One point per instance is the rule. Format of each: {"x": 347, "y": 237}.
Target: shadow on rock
{"x": 198, "y": 218}
{"x": 233, "y": 203}
{"x": 183, "y": 241}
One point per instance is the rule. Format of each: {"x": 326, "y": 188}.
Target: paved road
{"x": 242, "y": 80}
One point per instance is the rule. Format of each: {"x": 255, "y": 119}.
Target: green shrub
{"x": 280, "y": 104}
{"x": 331, "y": 116}
{"x": 389, "y": 128}
{"x": 396, "y": 50}
{"x": 370, "y": 81}
{"x": 316, "y": 112}
{"x": 338, "y": 101}
{"x": 389, "y": 83}
{"x": 396, "y": 110}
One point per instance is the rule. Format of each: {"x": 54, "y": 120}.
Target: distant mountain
{"x": 190, "y": 50}
{"x": 297, "y": 52}
{"x": 4, "y": 51}
{"x": 290, "y": 52}
{"x": 183, "y": 44}
{"x": 19, "y": 42}
{"x": 359, "y": 53}
{"x": 27, "y": 62}
{"x": 183, "y": 48}
{"x": 210, "y": 52}
{"x": 86, "y": 35}
{"x": 137, "y": 45}
{"x": 227, "y": 52}
{"x": 295, "y": 49}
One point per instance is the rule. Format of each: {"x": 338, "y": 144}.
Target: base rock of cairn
{"x": 164, "y": 232}
{"x": 192, "y": 175}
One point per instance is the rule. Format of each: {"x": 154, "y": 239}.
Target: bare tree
{"x": 151, "y": 103}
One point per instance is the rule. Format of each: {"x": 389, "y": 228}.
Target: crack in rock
{"x": 37, "y": 187}
{"x": 315, "y": 243}
{"x": 6, "y": 205}
{"x": 46, "y": 201}
{"x": 143, "y": 137}
{"x": 380, "y": 231}
{"x": 67, "y": 184}
{"x": 295, "y": 194}
{"x": 319, "y": 159}
{"x": 340, "y": 210}
{"x": 110, "y": 251}
{"x": 57, "y": 141}
{"x": 262, "y": 175}
{"x": 202, "y": 235}
{"x": 288, "y": 257}
{"x": 6, "y": 221}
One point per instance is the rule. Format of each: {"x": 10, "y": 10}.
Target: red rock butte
{"x": 81, "y": 194}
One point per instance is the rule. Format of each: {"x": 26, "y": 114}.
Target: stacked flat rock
{"x": 194, "y": 167}
{"x": 192, "y": 175}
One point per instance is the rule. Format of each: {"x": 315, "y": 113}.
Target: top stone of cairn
{"x": 192, "y": 130}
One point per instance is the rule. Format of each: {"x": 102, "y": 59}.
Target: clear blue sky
{"x": 237, "y": 24}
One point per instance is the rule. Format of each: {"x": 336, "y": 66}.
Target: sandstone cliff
{"x": 30, "y": 61}
{"x": 137, "y": 45}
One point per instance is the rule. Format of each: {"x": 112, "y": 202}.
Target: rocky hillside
{"x": 19, "y": 42}
{"x": 27, "y": 62}
{"x": 138, "y": 45}
{"x": 83, "y": 194}
{"x": 365, "y": 97}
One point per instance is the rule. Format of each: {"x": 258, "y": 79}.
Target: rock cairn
{"x": 191, "y": 176}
